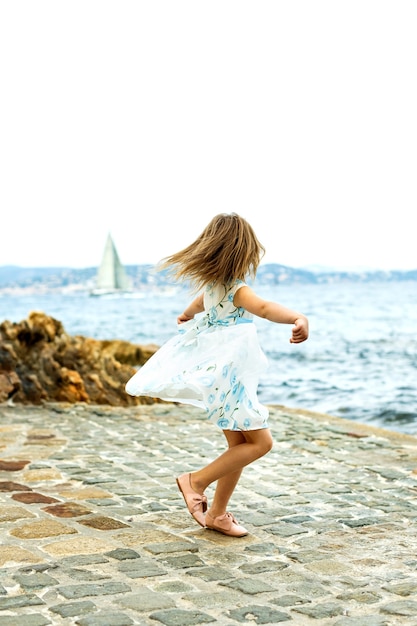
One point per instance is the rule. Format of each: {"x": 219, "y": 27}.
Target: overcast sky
{"x": 146, "y": 118}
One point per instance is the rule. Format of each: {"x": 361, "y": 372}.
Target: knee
{"x": 265, "y": 445}
{"x": 268, "y": 445}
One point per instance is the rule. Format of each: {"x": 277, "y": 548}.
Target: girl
{"x": 215, "y": 360}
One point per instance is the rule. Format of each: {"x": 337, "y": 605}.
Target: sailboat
{"x": 111, "y": 276}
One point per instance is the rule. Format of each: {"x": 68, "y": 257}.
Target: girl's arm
{"x": 246, "y": 298}
{"x": 196, "y": 306}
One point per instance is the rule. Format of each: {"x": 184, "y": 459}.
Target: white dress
{"x": 214, "y": 362}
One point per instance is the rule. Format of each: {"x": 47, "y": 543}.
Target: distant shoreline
{"x": 19, "y": 280}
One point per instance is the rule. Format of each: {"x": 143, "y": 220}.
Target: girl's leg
{"x": 244, "y": 448}
{"x": 226, "y": 485}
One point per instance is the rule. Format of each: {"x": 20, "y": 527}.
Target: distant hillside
{"x": 274, "y": 273}
{"x": 145, "y": 276}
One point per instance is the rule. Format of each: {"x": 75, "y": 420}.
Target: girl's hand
{"x": 183, "y": 318}
{"x": 196, "y": 306}
{"x": 300, "y": 330}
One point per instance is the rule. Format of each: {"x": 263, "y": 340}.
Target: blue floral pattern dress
{"x": 214, "y": 362}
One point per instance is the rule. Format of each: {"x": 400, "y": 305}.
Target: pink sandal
{"x": 196, "y": 503}
{"x": 225, "y": 524}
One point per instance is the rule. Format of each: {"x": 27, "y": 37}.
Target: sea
{"x": 359, "y": 363}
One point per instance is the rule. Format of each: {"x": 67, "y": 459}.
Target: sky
{"x": 146, "y": 118}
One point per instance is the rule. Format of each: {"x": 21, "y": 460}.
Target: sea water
{"x": 360, "y": 361}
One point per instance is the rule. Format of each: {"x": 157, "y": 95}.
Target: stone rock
{"x": 41, "y": 528}
{"x": 40, "y": 362}
{"x": 67, "y": 509}
{"x": 31, "y": 497}
{"x": 12, "y": 466}
{"x": 14, "y": 555}
{"x": 101, "y": 522}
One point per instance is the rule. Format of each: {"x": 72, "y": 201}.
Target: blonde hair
{"x": 227, "y": 249}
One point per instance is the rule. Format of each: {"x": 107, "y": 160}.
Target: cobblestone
{"x": 94, "y": 531}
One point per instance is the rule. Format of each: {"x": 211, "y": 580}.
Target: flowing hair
{"x": 226, "y": 250}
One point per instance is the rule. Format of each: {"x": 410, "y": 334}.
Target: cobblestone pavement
{"x": 95, "y": 532}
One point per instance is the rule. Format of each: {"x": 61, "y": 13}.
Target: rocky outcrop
{"x": 40, "y": 362}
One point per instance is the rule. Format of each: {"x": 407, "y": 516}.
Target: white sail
{"x": 111, "y": 276}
